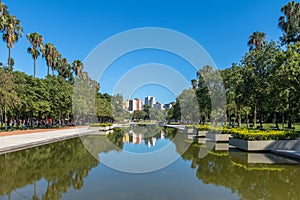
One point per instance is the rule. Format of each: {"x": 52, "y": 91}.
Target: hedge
{"x": 252, "y": 135}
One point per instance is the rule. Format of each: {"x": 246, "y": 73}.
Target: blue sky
{"x": 76, "y": 27}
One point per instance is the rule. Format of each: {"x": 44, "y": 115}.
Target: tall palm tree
{"x": 257, "y": 40}
{"x": 3, "y": 16}
{"x": 35, "y": 40}
{"x": 77, "y": 67}
{"x": 12, "y": 32}
{"x": 289, "y": 23}
{"x": 51, "y": 55}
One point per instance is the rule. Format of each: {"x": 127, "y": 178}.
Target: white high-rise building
{"x": 150, "y": 101}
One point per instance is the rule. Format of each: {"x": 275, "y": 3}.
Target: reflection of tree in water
{"x": 63, "y": 165}
{"x": 254, "y": 181}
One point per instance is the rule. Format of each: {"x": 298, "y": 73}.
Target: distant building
{"x": 131, "y": 105}
{"x": 150, "y": 101}
{"x": 127, "y": 105}
{"x": 168, "y": 106}
{"x": 138, "y": 104}
{"x": 158, "y": 106}
{"x": 135, "y": 104}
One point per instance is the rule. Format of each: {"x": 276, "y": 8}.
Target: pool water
{"x": 135, "y": 164}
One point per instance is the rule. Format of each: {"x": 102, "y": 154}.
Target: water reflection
{"x": 249, "y": 180}
{"x": 54, "y": 170}
{"x": 144, "y": 134}
{"x": 62, "y": 165}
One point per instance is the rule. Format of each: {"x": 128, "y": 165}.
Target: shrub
{"x": 253, "y": 135}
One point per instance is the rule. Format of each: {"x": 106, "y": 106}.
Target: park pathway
{"x": 16, "y": 142}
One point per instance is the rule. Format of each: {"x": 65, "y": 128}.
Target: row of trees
{"x": 25, "y": 98}
{"x": 264, "y": 86}
{"x": 12, "y": 31}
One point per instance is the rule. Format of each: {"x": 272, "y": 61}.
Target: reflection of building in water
{"x": 134, "y": 138}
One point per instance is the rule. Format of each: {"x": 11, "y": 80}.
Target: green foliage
{"x": 101, "y": 125}
{"x": 263, "y": 135}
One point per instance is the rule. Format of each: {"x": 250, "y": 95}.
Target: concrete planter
{"x": 105, "y": 128}
{"x": 218, "y": 137}
{"x": 201, "y": 133}
{"x": 265, "y": 145}
{"x": 189, "y": 130}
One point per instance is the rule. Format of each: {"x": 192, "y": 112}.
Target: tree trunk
{"x": 34, "y": 67}
{"x": 239, "y": 117}
{"x": 247, "y": 120}
{"x": 8, "y": 61}
{"x": 254, "y": 115}
{"x": 276, "y": 120}
{"x": 48, "y": 71}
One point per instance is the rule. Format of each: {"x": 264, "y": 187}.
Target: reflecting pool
{"x": 80, "y": 169}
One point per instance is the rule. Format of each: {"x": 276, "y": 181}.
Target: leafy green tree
{"x": 189, "y": 106}
{"x": 64, "y": 69}
{"x": 103, "y": 110}
{"x": 255, "y": 71}
{"x": 203, "y": 95}
{"x": 8, "y": 96}
{"x": 35, "y": 40}
{"x": 138, "y": 115}
{"x": 286, "y": 77}
{"x": 289, "y": 23}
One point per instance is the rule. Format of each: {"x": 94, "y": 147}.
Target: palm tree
{"x": 63, "y": 68}
{"x": 289, "y": 23}
{"x": 35, "y": 40}
{"x": 256, "y": 40}
{"x": 51, "y": 55}
{"x": 77, "y": 67}
{"x": 12, "y": 33}
{"x": 3, "y": 16}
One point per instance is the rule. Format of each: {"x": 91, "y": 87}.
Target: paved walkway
{"x": 21, "y": 141}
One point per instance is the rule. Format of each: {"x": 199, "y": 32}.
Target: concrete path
{"x": 180, "y": 127}
{"x": 24, "y": 141}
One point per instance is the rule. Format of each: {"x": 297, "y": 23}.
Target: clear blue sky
{"x": 76, "y": 27}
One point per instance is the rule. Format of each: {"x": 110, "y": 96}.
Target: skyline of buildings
{"x": 138, "y": 104}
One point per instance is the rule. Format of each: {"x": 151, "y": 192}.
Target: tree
{"x": 35, "y": 40}
{"x": 77, "y": 67}
{"x": 203, "y": 96}
{"x": 12, "y": 33}
{"x": 3, "y": 16}
{"x": 256, "y": 40}
{"x": 51, "y": 55}
{"x": 138, "y": 115}
{"x": 289, "y": 23}
{"x": 286, "y": 77}
{"x": 8, "y": 96}
{"x": 64, "y": 69}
